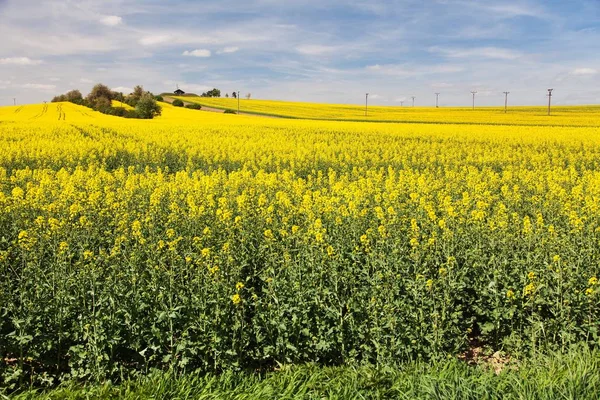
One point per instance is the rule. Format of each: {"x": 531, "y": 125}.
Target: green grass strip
{"x": 575, "y": 375}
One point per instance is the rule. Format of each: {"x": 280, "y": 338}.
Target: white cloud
{"x": 85, "y": 80}
{"x": 516, "y": 10}
{"x": 122, "y": 89}
{"x": 402, "y": 70}
{"x": 227, "y": 50}
{"x": 19, "y": 61}
{"x": 481, "y": 52}
{"x": 315, "y": 49}
{"x": 584, "y": 71}
{"x": 442, "y": 85}
{"x": 39, "y": 86}
{"x": 197, "y": 53}
{"x": 111, "y": 20}
{"x": 155, "y": 40}
{"x": 197, "y": 88}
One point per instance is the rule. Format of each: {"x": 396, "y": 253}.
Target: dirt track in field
{"x": 217, "y": 110}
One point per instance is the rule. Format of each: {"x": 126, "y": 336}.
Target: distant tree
{"x": 101, "y": 97}
{"x": 194, "y": 106}
{"x": 177, "y": 103}
{"x": 102, "y": 104}
{"x": 138, "y": 92}
{"x": 74, "y": 96}
{"x": 227, "y": 95}
{"x": 214, "y": 93}
{"x": 147, "y": 107}
{"x": 59, "y": 98}
{"x": 135, "y": 96}
{"x": 234, "y": 95}
{"x": 99, "y": 91}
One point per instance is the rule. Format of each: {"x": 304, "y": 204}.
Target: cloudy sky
{"x": 310, "y": 50}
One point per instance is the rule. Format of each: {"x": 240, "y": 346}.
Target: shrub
{"x": 177, "y": 103}
{"x": 230, "y": 111}
{"x": 194, "y": 106}
{"x": 102, "y": 104}
{"x": 130, "y": 101}
{"x": 147, "y": 107}
{"x": 159, "y": 98}
{"x": 131, "y": 114}
{"x": 117, "y": 111}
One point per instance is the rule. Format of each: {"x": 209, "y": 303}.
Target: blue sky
{"x": 312, "y": 50}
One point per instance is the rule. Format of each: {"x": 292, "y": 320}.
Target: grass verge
{"x": 575, "y": 375}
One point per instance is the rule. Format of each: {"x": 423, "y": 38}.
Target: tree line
{"x": 217, "y": 93}
{"x": 144, "y": 103}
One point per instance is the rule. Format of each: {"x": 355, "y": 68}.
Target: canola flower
{"x": 236, "y": 299}
{"x": 529, "y": 290}
{"x": 325, "y": 237}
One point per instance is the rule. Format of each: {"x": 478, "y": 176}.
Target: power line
{"x": 366, "y": 102}
{"x": 505, "y": 101}
{"x": 473, "y": 92}
{"x": 14, "y": 101}
{"x": 437, "y": 96}
{"x": 549, "y": 99}
{"x": 413, "y": 99}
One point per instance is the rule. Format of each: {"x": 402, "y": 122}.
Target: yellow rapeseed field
{"x": 560, "y": 115}
{"x": 209, "y": 241}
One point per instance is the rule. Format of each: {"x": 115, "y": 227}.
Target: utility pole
{"x": 14, "y": 101}
{"x": 402, "y": 103}
{"x": 366, "y": 102}
{"x": 549, "y": 99}
{"x": 505, "y": 101}
{"x": 437, "y": 96}
{"x": 413, "y": 98}
{"x": 474, "y": 92}
{"x": 238, "y": 96}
